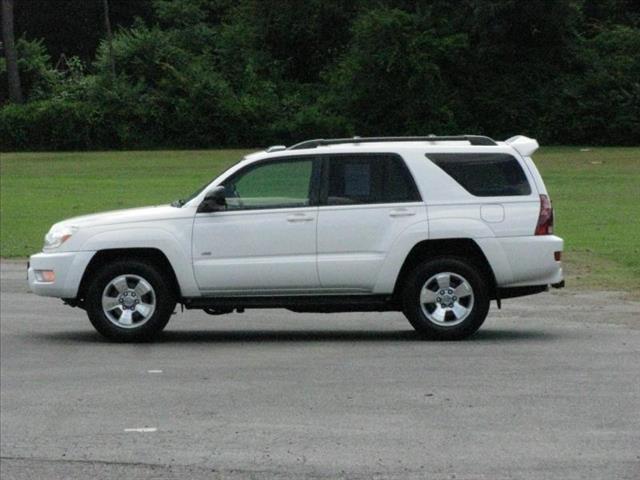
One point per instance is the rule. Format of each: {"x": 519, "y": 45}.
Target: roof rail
{"x": 319, "y": 142}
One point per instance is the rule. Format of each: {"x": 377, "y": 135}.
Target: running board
{"x": 297, "y": 303}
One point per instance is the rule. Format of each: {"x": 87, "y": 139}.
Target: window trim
{"x": 324, "y": 178}
{"x": 314, "y": 182}
{"x": 523, "y": 169}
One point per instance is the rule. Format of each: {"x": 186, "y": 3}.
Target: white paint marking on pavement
{"x": 154, "y": 371}
{"x": 141, "y": 430}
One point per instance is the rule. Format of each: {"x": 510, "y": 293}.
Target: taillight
{"x": 545, "y": 219}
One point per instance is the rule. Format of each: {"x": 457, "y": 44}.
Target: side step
{"x": 297, "y": 303}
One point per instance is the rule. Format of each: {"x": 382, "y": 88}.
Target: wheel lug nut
{"x": 438, "y": 299}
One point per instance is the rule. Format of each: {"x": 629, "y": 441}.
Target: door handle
{"x": 401, "y": 212}
{"x": 299, "y": 218}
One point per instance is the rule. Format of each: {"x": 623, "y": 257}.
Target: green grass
{"x": 596, "y": 195}
{"x": 38, "y": 189}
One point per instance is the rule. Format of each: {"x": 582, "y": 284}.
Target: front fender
{"x": 175, "y": 246}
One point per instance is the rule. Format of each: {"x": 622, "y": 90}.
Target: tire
{"x": 130, "y": 301}
{"x": 451, "y": 313}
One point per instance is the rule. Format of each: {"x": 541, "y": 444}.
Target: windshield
{"x": 182, "y": 201}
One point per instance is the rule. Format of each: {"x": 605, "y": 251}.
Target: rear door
{"x": 366, "y": 201}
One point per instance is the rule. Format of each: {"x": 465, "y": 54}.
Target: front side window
{"x": 276, "y": 184}
{"x": 369, "y": 178}
{"x": 484, "y": 174}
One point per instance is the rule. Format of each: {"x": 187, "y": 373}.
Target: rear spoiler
{"x": 525, "y": 146}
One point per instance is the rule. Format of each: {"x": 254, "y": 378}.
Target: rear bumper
{"x": 512, "y": 292}
{"x": 525, "y": 261}
{"x": 68, "y": 268}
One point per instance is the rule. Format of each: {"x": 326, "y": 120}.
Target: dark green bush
{"x": 600, "y": 103}
{"x": 216, "y": 73}
{"x": 53, "y": 124}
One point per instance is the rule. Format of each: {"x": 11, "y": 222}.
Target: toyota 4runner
{"x": 435, "y": 227}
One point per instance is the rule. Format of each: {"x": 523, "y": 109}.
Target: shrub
{"x": 53, "y": 124}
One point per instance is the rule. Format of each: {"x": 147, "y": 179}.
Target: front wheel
{"x": 446, "y": 299}
{"x": 129, "y": 300}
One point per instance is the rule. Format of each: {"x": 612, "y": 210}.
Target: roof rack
{"x": 319, "y": 142}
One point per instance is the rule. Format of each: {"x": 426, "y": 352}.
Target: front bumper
{"x": 68, "y": 267}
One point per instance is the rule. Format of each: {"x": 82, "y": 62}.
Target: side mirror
{"x": 214, "y": 200}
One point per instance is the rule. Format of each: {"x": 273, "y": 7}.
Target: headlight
{"x": 57, "y": 236}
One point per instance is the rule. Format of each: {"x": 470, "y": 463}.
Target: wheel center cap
{"x": 446, "y": 299}
{"x": 128, "y": 300}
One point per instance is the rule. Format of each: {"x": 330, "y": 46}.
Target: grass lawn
{"x": 596, "y": 194}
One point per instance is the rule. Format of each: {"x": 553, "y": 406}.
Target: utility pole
{"x": 9, "y": 45}
{"x": 107, "y": 23}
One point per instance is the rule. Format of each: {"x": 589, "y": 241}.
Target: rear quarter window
{"x": 484, "y": 174}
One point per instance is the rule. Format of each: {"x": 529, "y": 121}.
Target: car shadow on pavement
{"x": 286, "y": 336}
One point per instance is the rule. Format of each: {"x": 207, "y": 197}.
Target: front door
{"x": 265, "y": 241}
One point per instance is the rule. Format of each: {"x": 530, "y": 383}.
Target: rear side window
{"x": 373, "y": 178}
{"x": 484, "y": 174}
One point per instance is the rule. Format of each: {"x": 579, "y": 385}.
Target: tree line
{"x": 221, "y": 73}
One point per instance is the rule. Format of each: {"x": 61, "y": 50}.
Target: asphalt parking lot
{"x": 549, "y": 388}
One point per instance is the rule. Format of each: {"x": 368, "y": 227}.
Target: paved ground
{"x": 549, "y": 388}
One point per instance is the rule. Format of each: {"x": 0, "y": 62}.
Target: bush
{"x": 391, "y": 81}
{"x": 221, "y": 73}
{"x": 53, "y": 124}
{"x": 600, "y": 104}
{"x": 37, "y": 75}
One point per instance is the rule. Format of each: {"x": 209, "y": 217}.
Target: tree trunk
{"x": 9, "y": 44}
{"x": 107, "y": 24}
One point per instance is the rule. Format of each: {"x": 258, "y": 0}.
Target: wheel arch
{"x": 105, "y": 256}
{"x": 465, "y": 248}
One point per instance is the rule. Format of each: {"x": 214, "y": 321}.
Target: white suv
{"x": 435, "y": 227}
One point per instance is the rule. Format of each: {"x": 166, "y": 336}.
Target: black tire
{"x": 477, "y": 302}
{"x": 163, "y": 294}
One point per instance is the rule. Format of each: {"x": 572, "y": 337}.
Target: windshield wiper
{"x": 178, "y": 203}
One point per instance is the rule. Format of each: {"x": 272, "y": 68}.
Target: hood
{"x": 129, "y": 215}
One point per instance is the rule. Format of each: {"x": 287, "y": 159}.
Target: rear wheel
{"x": 129, "y": 300}
{"x": 446, "y": 298}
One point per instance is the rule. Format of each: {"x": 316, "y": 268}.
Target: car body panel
{"x": 355, "y": 240}
{"x": 245, "y": 250}
{"x": 69, "y": 268}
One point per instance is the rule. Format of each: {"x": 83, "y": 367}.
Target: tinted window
{"x": 278, "y": 184}
{"x": 484, "y": 174}
{"x": 356, "y": 179}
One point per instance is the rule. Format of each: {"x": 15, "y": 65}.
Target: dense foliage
{"x": 211, "y": 73}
